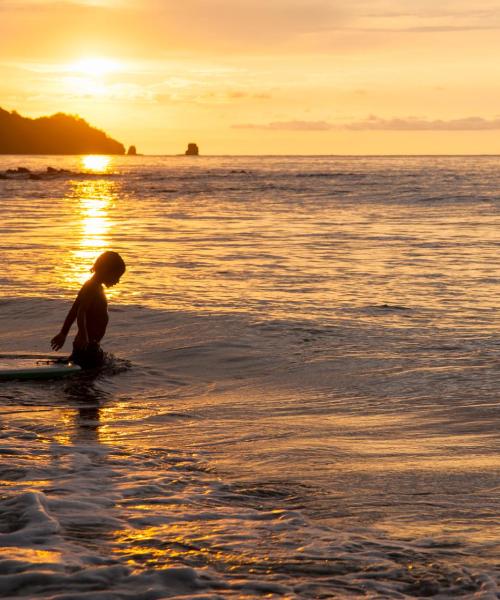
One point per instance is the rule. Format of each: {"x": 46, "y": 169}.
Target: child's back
{"x": 93, "y": 300}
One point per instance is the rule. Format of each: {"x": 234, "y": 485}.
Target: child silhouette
{"x": 90, "y": 309}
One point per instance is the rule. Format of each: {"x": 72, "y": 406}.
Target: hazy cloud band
{"x": 377, "y": 124}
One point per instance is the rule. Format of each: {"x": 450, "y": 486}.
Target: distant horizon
{"x": 204, "y": 155}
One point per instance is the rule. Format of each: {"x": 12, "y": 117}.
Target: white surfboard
{"x": 34, "y": 367}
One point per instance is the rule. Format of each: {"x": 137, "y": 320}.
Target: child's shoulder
{"x": 90, "y": 288}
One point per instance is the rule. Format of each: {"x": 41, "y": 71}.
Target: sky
{"x": 262, "y": 76}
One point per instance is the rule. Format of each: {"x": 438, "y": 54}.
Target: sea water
{"x": 302, "y": 396}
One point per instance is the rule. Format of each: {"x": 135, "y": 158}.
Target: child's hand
{"x": 57, "y": 342}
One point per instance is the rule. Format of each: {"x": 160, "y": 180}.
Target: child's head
{"x": 109, "y": 267}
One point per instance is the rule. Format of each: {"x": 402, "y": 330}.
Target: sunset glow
{"x": 302, "y": 77}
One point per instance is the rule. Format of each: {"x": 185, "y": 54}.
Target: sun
{"x": 89, "y": 77}
{"x": 94, "y": 66}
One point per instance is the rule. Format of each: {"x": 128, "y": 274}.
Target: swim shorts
{"x": 90, "y": 358}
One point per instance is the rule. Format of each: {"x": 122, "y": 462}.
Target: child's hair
{"x": 109, "y": 262}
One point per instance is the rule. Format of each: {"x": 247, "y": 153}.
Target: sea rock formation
{"x": 192, "y": 150}
{"x": 58, "y": 134}
{"x": 132, "y": 151}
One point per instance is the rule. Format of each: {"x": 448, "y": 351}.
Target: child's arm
{"x": 57, "y": 342}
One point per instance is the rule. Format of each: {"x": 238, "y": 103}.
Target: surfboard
{"x": 35, "y": 367}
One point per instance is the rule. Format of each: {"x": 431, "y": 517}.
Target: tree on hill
{"x": 58, "y": 134}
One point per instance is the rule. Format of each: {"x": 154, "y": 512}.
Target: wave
{"x": 109, "y": 520}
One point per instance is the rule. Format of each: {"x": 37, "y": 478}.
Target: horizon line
{"x": 141, "y": 155}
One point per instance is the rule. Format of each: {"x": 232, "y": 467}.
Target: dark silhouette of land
{"x": 58, "y": 134}
{"x": 192, "y": 150}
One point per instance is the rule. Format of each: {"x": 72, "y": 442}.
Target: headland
{"x": 57, "y": 134}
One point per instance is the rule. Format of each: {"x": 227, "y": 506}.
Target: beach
{"x": 302, "y": 396}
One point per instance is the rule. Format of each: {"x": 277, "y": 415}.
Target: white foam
{"x": 33, "y": 520}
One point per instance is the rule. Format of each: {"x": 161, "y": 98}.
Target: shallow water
{"x": 303, "y": 397}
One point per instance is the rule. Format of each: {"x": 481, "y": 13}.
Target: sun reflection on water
{"x": 93, "y": 200}
{"x": 96, "y": 163}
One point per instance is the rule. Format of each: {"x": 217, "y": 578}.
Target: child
{"x": 90, "y": 309}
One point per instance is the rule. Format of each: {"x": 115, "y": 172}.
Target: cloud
{"x": 158, "y": 27}
{"x": 374, "y": 123}
{"x": 30, "y": 4}
{"x": 425, "y": 8}
{"x": 424, "y": 16}
{"x": 430, "y": 29}
{"x": 161, "y": 28}
{"x": 258, "y": 19}
{"x": 416, "y": 124}
{"x": 287, "y": 126}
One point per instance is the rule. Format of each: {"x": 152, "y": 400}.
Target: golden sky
{"x": 262, "y": 76}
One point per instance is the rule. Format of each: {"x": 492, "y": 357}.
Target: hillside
{"x": 58, "y": 134}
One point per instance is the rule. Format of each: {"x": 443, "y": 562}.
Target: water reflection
{"x": 87, "y": 421}
{"x": 93, "y": 201}
{"x": 96, "y": 163}
{"x": 81, "y": 419}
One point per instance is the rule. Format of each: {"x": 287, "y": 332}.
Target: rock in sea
{"x": 192, "y": 150}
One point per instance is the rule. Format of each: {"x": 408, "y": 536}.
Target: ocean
{"x": 301, "y": 400}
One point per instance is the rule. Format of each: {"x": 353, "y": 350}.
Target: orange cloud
{"x": 374, "y": 123}
{"x": 288, "y": 126}
{"x": 415, "y": 124}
